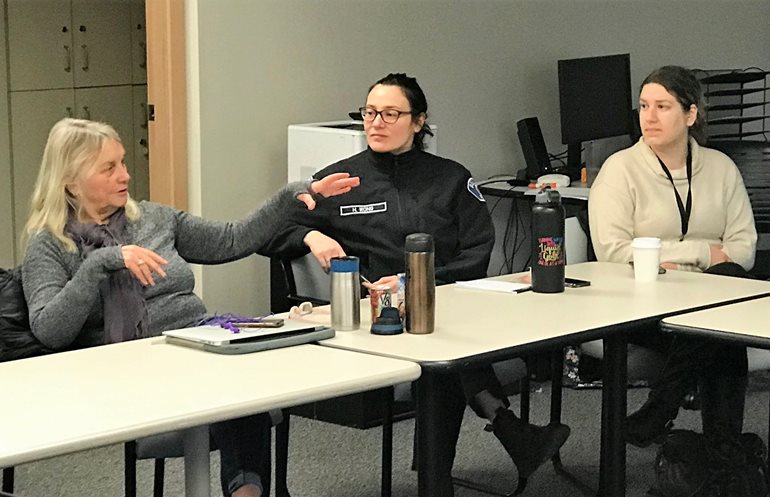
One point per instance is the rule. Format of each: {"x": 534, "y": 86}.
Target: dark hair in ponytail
{"x": 682, "y": 83}
{"x": 416, "y": 98}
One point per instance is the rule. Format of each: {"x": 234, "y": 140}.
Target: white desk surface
{"x": 88, "y": 398}
{"x": 471, "y": 322}
{"x": 748, "y": 319}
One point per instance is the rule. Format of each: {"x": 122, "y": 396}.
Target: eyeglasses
{"x": 389, "y": 116}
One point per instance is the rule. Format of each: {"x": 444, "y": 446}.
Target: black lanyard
{"x": 684, "y": 211}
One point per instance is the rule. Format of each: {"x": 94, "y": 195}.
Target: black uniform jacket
{"x": 414, "y": 192}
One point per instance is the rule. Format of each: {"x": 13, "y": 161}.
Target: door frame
{"x": 167, "y": 102}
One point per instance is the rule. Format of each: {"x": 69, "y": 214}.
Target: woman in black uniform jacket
{"x": 406, "y": 190}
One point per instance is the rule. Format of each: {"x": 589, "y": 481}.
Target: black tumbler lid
{"x": 418, "y": 242}
{"x": 388, "y": 322}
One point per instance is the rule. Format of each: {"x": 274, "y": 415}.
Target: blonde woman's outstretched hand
{"x": 329, "y": 186}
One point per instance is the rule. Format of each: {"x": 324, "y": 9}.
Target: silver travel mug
{"x": 345, "y": 294}
{"x": 420, "y": 307}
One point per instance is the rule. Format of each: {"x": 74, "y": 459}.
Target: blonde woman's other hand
{"x": 143, "y": 263}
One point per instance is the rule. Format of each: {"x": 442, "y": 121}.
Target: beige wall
{"x": 484, "y": 64}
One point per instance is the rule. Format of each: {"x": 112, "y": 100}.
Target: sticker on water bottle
{"x": 550, "y": 251}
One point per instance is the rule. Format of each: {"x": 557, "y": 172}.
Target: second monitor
{"x": 534, "y": 149}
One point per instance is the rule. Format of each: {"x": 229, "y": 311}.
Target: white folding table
{"x": 72, "y": 401}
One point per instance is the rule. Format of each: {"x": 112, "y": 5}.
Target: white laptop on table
{"x": 224, "y": 341}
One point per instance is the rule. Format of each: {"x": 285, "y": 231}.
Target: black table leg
{"x": 557, "y": 371}
{"x": 387, "y": 443}
{"x": 612, "y": 465}
{"x": 436, "y": 436}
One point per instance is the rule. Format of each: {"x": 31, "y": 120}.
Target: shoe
{"x": 528, "y": 445}
{"x": 649, "y": 424}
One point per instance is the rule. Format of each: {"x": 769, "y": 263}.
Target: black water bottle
{"x": 548, "y": 250}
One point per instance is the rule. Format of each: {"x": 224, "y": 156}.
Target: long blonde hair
{"x": 72, "y": 147}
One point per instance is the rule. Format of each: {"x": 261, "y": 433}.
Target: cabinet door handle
{"x": 86, "y": 112}
{"x": 84, "y": 49}
{"x": 143, "y": 62}
{"x": 145, "y": 148}
{"x": 69, "y": 111}
{"x": 67, "y": 58}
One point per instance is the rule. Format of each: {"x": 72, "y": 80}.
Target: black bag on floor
{"x": 16, "y": 339}
{"x": 687, "y": 465}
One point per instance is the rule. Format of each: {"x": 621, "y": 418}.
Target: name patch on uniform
{"x": 357, "y": 210}
{"x": 475, "y": 190}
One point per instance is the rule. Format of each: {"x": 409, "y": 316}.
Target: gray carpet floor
{"x": 331, "y": 460}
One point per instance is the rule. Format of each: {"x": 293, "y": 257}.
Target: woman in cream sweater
{"x": 691, "y": 197}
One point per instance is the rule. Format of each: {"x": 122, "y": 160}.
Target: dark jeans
{"x": 244, "y": 447}
{"x": 692, "y": 361}
{"x": 456, "y": 391}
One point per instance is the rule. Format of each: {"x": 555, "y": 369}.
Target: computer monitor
{"x": 594, "y": 101}
{"x": 533, "y": 146}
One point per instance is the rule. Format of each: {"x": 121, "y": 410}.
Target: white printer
{"x": 314, "y": 146}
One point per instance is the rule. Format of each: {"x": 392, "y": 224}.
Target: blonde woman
{"x": 100, "y": 268}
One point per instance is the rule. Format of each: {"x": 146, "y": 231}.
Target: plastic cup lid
{"x": 646, "y": 242}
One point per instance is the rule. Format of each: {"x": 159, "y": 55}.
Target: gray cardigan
{"x": 62, "y": 289}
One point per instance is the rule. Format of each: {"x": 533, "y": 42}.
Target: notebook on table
{"x": 222, "y": 341}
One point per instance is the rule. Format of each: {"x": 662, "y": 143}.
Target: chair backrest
{"x": 307, "y": 281}
{"x": 753, "y": 161}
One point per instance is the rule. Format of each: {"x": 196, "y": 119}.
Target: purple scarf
{"x": 125, "y": 313}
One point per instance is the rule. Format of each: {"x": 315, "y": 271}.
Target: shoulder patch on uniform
{"x": 475, "y": 190}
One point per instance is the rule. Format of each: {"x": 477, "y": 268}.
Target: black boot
{"x": 722, "y": 403}
{"x": 528, "y": 445}
{"x": 655, "y": 418}
{"x": 651, "y": 422}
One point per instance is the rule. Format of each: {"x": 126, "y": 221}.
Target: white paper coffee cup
{"x": 646, "y": 258}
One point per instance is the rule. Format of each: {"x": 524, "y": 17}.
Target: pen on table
{"x": 522, "y": 290}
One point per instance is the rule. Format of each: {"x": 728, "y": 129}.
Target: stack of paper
{"x": 495, "y": 286}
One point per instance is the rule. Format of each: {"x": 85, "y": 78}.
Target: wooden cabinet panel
{"x": 39, "y": 44}
{"x": 32, "y": 115}
{"x": 112, "y": 105}
{"x": 60, "y": 44}
{"x": 101, "y": 32}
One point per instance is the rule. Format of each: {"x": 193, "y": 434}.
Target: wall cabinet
{"x": 60, "y": 44}
{"x": 79, "y": 58}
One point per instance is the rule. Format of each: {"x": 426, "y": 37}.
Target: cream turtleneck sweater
{"x": 632, "y": 197}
